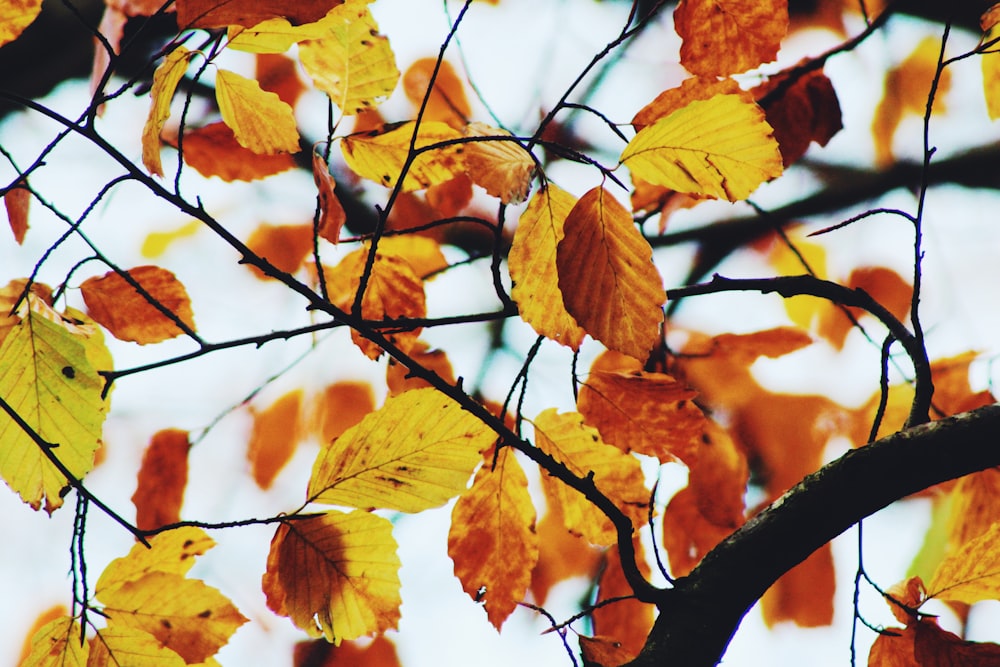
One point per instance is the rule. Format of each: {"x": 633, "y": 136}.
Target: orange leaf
{"x": 116, "y": 305}
{"x": 398, "y": 376}
{"x": 607, "y": 277}
{"x": 247, "y": 13}
{"x": 284, "y": 246}
{"x": 213, "y": 151}
{"x": 561, "y": 555}
{"x": 339, "y": 407}
{"x": 15, "y": 16}
{"x": 162, "y": 480}
{"x": 970, "y": 573}
{"x": 335, "y": 575}
{"x": 718, "y": 477}
{"x": 331, "y": 213}
{"x": 601, "y": 650}
{"x": 278, "y": 73}
{"x": 503, "y": 168}
{"x": 274, "y": 437}
{"x": 532, "y": 263}
{"x": 804, "y": 594}
{"x": 380, "y": 652}
{"x": 393, "y": 291}
{"x": 694, "y": 89}
{"x": 492, "y": 538}
{"x": 924, "y": 644}
{"x": 451, "y": 197}
{"x": 974, "y": 506}
{"x": 616, "y": 474}
{"x": 16, "y": 201}
{"x": 723, "y": 37}
{"x": 627, "y": 621}
{"x": 904, "y": 597}
{"x": 805, "y": 112}
{"x": 447, "y": 102}
{"x": 423, "y": 254}
{"x": 687, "y": 534}
{"x": 882, "y": 284}
{"x": 648, "y": 413}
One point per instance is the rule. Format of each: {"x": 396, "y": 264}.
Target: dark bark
{"x": 699, "y": 616}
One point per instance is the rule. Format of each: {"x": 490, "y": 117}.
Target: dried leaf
{"x": 687, "y": 534}
{"x": 380, "y": 156}
{"x": 16, "y": 201}
{"x": 503, "y": 168}
{"x": 924, "y": 644}
{"x": 274, "y": 437}
{"x": 331, "y": 213}
{"x": 561, "y": 555}
{"x": 162, "y": 480}
{"x": 416, "y": 452}
{"x": 446, "y": 101}
{"x": 15, "y": 16}
{"x": 532, "y": 265}
{"x": 260, "y": 121}
{"x": 723, "y": 37}
{"x": 335, "y": 575}
{"x": 607, "y": 277}
{"x": 972, "y": 572}
{"x": 223, "y": 13}
{"x": 492, "y": 538}
{"x": 720, "y": 147}
{"x": 606, "y": 651}
{"x": 806, "y": 111}
{"x": 284, "y": 246}
{"x": 165, "y": 80}
{"x": 691, "y": 90}
{"x": 117, "y": 306}
{"x": 213, "y": 151}
{"x": 628, "y": 621}
{"x": 57, "y": 644}
{"x": 279, "y": 74}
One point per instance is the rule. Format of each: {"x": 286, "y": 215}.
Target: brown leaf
{"x": 16, "y": 201}
{"x": 687, "y": 534}
{"x": 213, "y": 151}
{"x": 606, "y": 651}
{"x": 331, "y": 213}
{"x": 162, "y": 480}
{"x": 398, "y": 376}
{"x": 805, "y": 112}
{"x": 924, "y": 644}
{"x": 278, "y": 73}
{"x": 503, "y": 168}
{"x": 116, "y": 305}
{"x": 723, "y": 37}
{"x": 247, "y": 13}
{"x": 274, "y": 437}
{"x": 380, "y": 652}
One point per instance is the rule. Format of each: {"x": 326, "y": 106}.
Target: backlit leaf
{"x": 165, "y": 80}
{"x": 117, "y": 306}
{"x": 284, "y": 246}
{"x": 691, "y": 90}
{"x": 722, "y": 37}
{"x": 15, "y": 16}
{"x": 223, "y": 13}
{"x": 213, "y": 151}
{"x": 561, "y": 555}
{"x": 627, "y": 621}
{"x": 335, "y": 575}
{"x": 616, "y": 474}
{"x": 273, "y": 36}
{"x": 162, "y": 479}
{"x": 416, "y": 452}
{"x": 331, "y": 213}
{"x": 379, "y": 652}
{"x": 118, "y": 645}
{"x": 447, "y": 101}
{"x": 279, "y": 74}
{"x": 351, "y": 62}
{"x": 423, "y": 254}
{"x": 49, "y": 379}
{"x": 502, "y": 168}
{"x": 258, "y": 118}
{"x": 157, "y": 243}
{"x": 399, "y": 378}
{"x": 273, "y": 438}
{"x": 720, "y": 147}
{"x": 532, "y": 263}
{"x": 57, "y": 644}
{"x": 924, "y": 644}
{"x": 805, "y": 112}
{"x": 380, "y": 156}
{"x": 972, "y": 572}
{"x": 492, "y": 538}
{"x": 173, "y": 552}
{"x": 16, "y": 201}
{"x": 687, "y": 534}
{"x": 607, "y": 277}
{"x": 339, "y": 407}
{"x": 804, "y": 594}
{"x": 990, "y": 62}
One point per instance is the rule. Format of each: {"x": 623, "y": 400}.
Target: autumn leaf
{"x": 335, "y": 575}
{"x": 649, "y": 413}
{"x": 57, "y": 644}
{"x": 416, "y": 452}
{"x": 213, "y": 151}
{"x": 687, "y": 533}
{"x": 628, "y": 621}
{"x": 120, "y": 644}
{"x": 603, "y": 650}
{"x": 446, "y": 101}
{"x": 331, "y": 213}
{"x": 607, "y": 277}
{"x": 223, "y": 13}
{"x": 15, "y": 16}
{"x": 47, "y": 376}
{"x": 561, "y": 555}
{"x": 532, "y": 265}
{"x": 723, "y": 37}
{"x": 351, "y": 62}
{"x": 990, "y": 62}
{"x": 804, "y": 112}
{"x": 804, "y": 594}
{"x": 399, "y": 378}
{"x": 279, "y": 74}
{"x": 503, "y": 168}
{"x": 273, "y": 438}
{"x": 492, "y": 538}
{"x": 273, "y": 36}
{"x": 165, "y": 80}
{"x": 972, "y": 572}
{"x": 339, "y": 407}
{"x": 720, "y": 147}
{"x": 423, "y": 254}
{"x": 380, "y": 156}
{"x": 924, "y": 644}
{"x": 258, "y": 118}
{"x": 16, "y": 202}
{"x": 284, "y": 246}
{"x": 379, "y": 652}
{"x": 616, "y": 474}
{"x": 173, "y": 551}
{"x": 162, "y": 479}
{"x": 116, "y": 305}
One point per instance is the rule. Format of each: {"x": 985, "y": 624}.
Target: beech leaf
{"x": 607, "y": 277}
{"x": 162, "y": 479}
{"x": 274, "y": 437}
{"x": 723, "y": 37}
{"x": 213, "y": 151}
{"x": 165, "y": 80}
{"x": 447, "y": 101}
{"x": 380, "y": 156}
{"x": 117, "y": 306}
{"x": 335, "y": 575}
{"x": 17, "y": 201}
{"x": 15, "y": 16}
{"x": 258, "y": 118}
{"x": 972, "y": 572}
{"x": 416, "y": 452}
{"x": 57, "y": 644}
{"x": 503, "y": 168}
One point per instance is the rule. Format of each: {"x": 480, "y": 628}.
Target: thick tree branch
{"x": 699, "y": 616}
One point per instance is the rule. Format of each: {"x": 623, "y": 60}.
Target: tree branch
{"x": 700, "y": 614}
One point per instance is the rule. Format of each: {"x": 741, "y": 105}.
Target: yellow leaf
{"x": 157, "y": 243}
{"x": 420, "y": 252}
{"x": 492, "y": 538}
{"x": 15, "y": 16}
{"x": 172, "y": 552}
{"x": 116, "y": 305}
{"x": 48, "y": 378}
{"x": 351, "y": 62}
{"x": 275, "y": 35}
{"x": 990, "y": 63}
{"x": 607, "y": 278}
{"x": 336, "y": 575}
{"x": 165, "y": 80}
{"x": 393, "y": 291}
{"x": 971, "y": 573}
{"x": 503, "y": 168}
{"x": 57, "y": 644}
{"x": 380, "y": 156}
{"x": 416, "y": 452}
{"x": 720, "y": 147}
{"x": 532, "y": 262}
{"x": 616, "y": 474}
{"x": 258, "y": 118}
{"x": 116, "y": 646}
